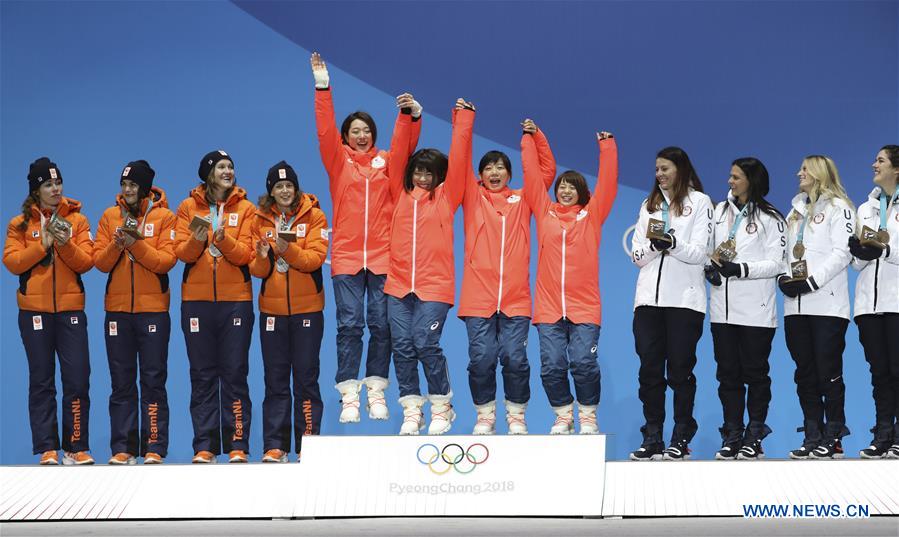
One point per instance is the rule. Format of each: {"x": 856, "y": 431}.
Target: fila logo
{"x": 152, "y": 328}
{"x": 237, "y": 321}
{"x": 307, "y": 323}
{"x": 35, "y": 234}
{"x": 73, "y": 320}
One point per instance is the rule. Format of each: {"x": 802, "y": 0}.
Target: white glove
{"x": 322, "y": 80}
{"x": 416, "y": 109}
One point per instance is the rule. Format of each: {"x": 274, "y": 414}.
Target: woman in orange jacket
{"x": 421, "y": 282}
{"x": 567, "y": 304}
{"x": 291, "y": 241}
{"x": 496, "y": 298}
{"x": 358, "y": 174}
{"x": 213, "y": 238}
{"x": 48, "y": 247}
{"x": 135, "y": 245}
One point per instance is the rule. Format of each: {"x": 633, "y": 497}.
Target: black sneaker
{"x": 648, "y": 452}
{"x": 751, "y": 451}
{"x": 893, "y": 453}
{"x": 830, "y": 449}
{"x": 728, "y": 452}
{"x": 803, "y": 452}
{"x": 677, "y": 451}
{"x": 877, "y": 450}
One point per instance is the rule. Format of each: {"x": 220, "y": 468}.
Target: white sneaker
{"x": 413, "y": 418}
{"x": 442, "y": 414}
{"x": 586, "y": 415}
{"x": 564, "y": 423}
{"x": 349, "y": 398}
{"x": 486, "y": 423}
{"x": 377, "y": 404}
{"x": 515, "y": 417}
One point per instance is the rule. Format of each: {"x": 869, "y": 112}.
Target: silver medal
{"x": 214, "y": 251}
{"x": 282, "y": 265}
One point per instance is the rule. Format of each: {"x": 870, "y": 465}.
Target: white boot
{"x": 586, "y": 414}
{"x": 486, "y": 423}
{"x": 564, "y": 423}
{"x": 442, "y": 414}
{"x": 349, "y": 398}
{"x": 377, "y": 405}
{"x": 515, "y": 417}
{"x": 413, "y": 419}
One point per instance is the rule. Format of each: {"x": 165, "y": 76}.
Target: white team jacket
{"x": 761, "y": 254}
{"x": 827, "y": 253}
{"x": 877, "y": 287}
{"x": 674, "y": 278}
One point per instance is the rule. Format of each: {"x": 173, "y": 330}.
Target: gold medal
{"x": 798, "y": 250}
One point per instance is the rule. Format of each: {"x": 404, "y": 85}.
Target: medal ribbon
{"x": 885, "y": 207}
{"x": 804, "y": 223}
{"x": 665, "y": 213}
{"x": 740, "y": 217}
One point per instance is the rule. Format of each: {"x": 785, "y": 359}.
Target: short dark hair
{"x": 428, "y": 159}
{"x": 759, "y": 181}
{"x": 576, "y": 180}
{"x": 892, "y": 152}
{"x": 492, "y": 157}
{"x": 365, "y": 118}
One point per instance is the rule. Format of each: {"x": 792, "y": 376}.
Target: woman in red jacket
{"x": 48, "y": 247}
{"x": 496, "y": 299}
{"x": 567, "y": 304}
{"x": 358, "y": 174}
{"x": 291, "y": 238}
{"x": 135, "y": 246}
{"x": 213, "y": 239}
{"x": 421, "y": 282}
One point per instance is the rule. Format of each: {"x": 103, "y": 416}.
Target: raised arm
{"x": 459, "y": 169}
{"x": 536, "y": 156}
{"x": 329, "y": 140}
{"x": 607, "y": 177}
{"x": 407, "y": 105}
{"x": 401, "y": 145}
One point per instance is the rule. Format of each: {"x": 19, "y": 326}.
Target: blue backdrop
{"x": 94, "y": 85}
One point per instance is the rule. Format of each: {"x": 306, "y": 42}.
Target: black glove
{"x": 730, "y": 270}
{"x": 660, "y": 245}
{"x": 711, "y": 275}
{"x": 793, "y": 288}
{"x": 864, "y": 252}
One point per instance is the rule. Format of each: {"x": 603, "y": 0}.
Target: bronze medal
{"x": 798, "y": 250}
{"x": 655, "y": 229}
{"x": 799, "y": 270}
{"x": 883, "y": 237}
{"x": 725, "y": 252}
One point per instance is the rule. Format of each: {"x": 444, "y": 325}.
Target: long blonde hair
{"x": 827, "y": 183}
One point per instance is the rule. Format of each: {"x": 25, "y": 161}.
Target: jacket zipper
{"x": 132, "y": 285}
{"x": 876, "y": 274}
{"x": 365, "y": 231}
{"x": 54, "y": 279}
{"x": 215, "y": 294}
{"x": 287, "y": 276}
{"x": 726, "y": 299}
{"x": 502, "y": 255}
{"x": 564, "y": 309}
{"x": 659, "y": 278}
{"x": 414, "y": 238}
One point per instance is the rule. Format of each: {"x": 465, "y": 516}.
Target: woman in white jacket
{"x": 670, "y": 302}
{"x": 877, "y": 301}
{"x": 816, "y": 303}
{"x": 749, "y": 241}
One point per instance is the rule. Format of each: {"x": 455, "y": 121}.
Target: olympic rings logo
{"x": 452, "y": 457}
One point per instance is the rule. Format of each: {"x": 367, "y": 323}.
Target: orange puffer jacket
{"x": 569, "y": 239}
{"x": 360, "y": 192}
{"x": 49, "y": 281}
{"x": 209, "y": 278}
{"x": 139, "y": 282}
{"x": 299, "y": 290}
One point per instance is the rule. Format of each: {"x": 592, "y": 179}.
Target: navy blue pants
{"x": 879, "y": 335}
{"x": 138, "y": 342}
{"x": 352, "y": 315}
{"x": 665, "y": 340}
{"x": 46, "y": 336}
{"x": 565, "y": 346}
{"x": 415, "y": 329}
{"x": 290, "y": 346}
{"x": 217, "y": 336}
{"x": 816, "y": 343}
{"x": 504, "y": 339}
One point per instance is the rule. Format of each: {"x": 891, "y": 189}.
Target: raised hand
{"x": 603, "y": 135}
{"x": 406, "y": 100}
{"x": 528, "y": 126}
{"x": 462, "y": 104}
{"x": 319, "y": 71}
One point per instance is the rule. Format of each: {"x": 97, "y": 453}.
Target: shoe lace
{"x": 515, "y": 418}
{"x": 351, "y": 404}
{"x": 441, "y": 414}
{"x": 374, "y": 398}
{"x": 564, "y": 420}
{"x": 587, "y": 420}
